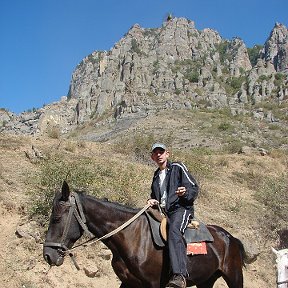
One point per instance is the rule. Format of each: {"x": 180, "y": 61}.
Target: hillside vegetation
{"x": 246, "y": 193}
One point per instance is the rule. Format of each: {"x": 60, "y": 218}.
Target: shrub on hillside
{"x": 50, "y": 177}
{"x": 254, "y": 54}
{"x": 53, "y": 132}
{"x": 233, "y": 146}
{"x": 117, "y": 181}
{"x": 198, "y": 162}
{"x": 225, "y": 126}
{"x": 139, "y": 147}
{"x": 273, "y": 193}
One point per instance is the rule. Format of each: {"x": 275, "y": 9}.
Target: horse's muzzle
{"x": 54, "y": 257}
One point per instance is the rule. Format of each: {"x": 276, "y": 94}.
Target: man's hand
{"x": 152, "y": 202}
{"x": 180, "y": 191}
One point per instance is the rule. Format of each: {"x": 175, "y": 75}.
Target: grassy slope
{"x": 119, "y": 170}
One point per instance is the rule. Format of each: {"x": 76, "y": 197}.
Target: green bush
{"x": 156, "y": 66}
{"x": 139, "y": 147}
{"x": 273, "y": 193}
{"x": 222, "y": 50}
{"x": 264, "y": 78}
{"x": 4, "y": 123}
{"x": 177, "y": 91}
{"x": 50, "y": 177}
{"x": 192, "y": 76}
{"x": 234, "y": 84}
{"x": 117, "y": 181}
{"x": 53, "y": 132}
{"x": 254, "y": 54}
{"x": 197, "y": 161}
{"x": 233, "y": 146}
{"x": 224, "y": 126}
{"x": 249, "y": 178}
{"x": 189, "y": 68}
{"x": 94, "y": 59}
{"x": 279, "y": 79}
{"x": 134, "y": 46}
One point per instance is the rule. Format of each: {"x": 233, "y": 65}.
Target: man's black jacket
{"x": 177, "y": 175}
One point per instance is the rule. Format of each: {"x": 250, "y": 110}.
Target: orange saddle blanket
{"x": 198, "y": 248}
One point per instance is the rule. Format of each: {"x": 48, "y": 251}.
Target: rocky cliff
{"x": 174, "y": 66}
{"x": 276, "y": 48}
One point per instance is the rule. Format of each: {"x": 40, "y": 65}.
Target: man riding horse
{"x": 175, "y": 190}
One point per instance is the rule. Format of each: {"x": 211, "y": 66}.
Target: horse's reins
{"x": 282, "y": 282}
{"x": 75, "y": 208}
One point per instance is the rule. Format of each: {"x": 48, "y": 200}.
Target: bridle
{"x": 76, "y": 209}
{"x": 282, "y": 282}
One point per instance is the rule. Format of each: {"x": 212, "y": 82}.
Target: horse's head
{"x": 282, "y": 267}
{"x": 64, "y": 229}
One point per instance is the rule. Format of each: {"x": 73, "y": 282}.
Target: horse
{"x": 136, "y": 260}
{"x": 282, "y": 267}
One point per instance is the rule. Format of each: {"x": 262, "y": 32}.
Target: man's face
{"x": 160, "y": 156}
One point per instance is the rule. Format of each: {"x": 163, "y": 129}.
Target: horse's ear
{"x": 274, "y": 251}
{"x": 65, "y": 191}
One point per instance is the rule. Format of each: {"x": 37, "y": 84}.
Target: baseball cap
{"x": 158, "y": 145}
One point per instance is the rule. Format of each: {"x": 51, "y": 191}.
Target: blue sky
{"x": 42, "y": 41}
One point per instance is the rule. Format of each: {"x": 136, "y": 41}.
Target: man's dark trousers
{"x": 177, "y": 223}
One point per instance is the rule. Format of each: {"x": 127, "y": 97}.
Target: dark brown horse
{"x": 136, "y": 260}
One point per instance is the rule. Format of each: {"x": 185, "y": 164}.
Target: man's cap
{"x": 158, "y": 145}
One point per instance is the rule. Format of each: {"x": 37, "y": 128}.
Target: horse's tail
{"x": 246, "y": 258}
{"x": 242, "y": 252}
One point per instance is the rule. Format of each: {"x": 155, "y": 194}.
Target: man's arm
{"x": 189, "y": 188}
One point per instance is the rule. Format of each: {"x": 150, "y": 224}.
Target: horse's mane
{"x": 107, "y": 202}
{"x": 122, "y": 207}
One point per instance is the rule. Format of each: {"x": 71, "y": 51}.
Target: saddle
{"x": 196, "y": 232}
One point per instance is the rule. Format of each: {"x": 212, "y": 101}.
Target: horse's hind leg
{"x": 233, "y": 275}
{"x": 232, "y": 268}
{"x": 234, "y": 280}
{"x": 209, "y": 283}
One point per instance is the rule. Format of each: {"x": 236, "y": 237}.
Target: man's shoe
{"x": 177, "y": 281}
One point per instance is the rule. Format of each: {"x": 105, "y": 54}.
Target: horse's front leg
{"x": 128, "y": 280}
{"x": 123, "y": 286}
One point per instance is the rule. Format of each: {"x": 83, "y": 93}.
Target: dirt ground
{"x": 22, "y": 264}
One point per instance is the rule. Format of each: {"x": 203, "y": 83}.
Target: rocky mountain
{"x": 173, "y": 67}
{"x": 276, "y": 49}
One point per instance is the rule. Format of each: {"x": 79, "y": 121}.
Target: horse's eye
{"x": 56, "y": 219}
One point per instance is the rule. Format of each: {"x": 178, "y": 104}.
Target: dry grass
{"x": 229, "y": 183}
